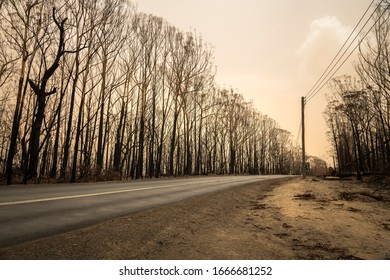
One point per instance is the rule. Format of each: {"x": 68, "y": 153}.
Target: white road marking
{"x": 113, "y": 192}
{"x": 81, "y": 195}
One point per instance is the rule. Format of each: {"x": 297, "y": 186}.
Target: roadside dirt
{"x": 281, "y": 219}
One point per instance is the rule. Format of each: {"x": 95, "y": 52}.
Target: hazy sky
{"x": 271, "y": 51}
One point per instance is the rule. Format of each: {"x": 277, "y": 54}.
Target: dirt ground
{"x": 282, "y": 219}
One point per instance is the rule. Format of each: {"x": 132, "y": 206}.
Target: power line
{"x": 319, "y": 84}
{"x": 319, "y": 89}
{"x": 334, "y": 58}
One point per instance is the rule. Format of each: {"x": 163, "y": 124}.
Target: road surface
{"x": 30, "y": 212}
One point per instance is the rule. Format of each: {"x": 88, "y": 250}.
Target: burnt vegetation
{"x": 358, "y": 110}
{"x": 95, "y": 90}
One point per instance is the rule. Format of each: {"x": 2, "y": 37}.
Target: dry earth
{"x": 292, "y": 219}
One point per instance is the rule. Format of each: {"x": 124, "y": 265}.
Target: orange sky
{"x": 271, "y": 51}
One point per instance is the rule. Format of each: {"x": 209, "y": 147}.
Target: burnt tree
{"x": 42, "y": 94}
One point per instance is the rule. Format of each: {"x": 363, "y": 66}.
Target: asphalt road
{"x": 30, "y": 212}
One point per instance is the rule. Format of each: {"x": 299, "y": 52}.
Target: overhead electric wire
{"x": 320, "y": 82}
{"x": 334, "y": 58}
{"x": 349, "y": 55}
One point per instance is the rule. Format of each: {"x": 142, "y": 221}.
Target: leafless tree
{"x": 39, "y": 87}
{"x": 134, "y": 97}
{"x": 358, "y": 111}
{"x": 373, "y": 70}
{"x": 20, "y": 29}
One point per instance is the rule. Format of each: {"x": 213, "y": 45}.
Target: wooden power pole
{"x": 303, "y": 138}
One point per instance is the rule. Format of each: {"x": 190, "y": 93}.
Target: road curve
{"x": 30, "y": 212}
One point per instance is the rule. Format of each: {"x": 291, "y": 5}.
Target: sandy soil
{"x": 282, "y": 219}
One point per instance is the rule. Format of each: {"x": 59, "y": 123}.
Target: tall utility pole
{"x": 303, "y": 138}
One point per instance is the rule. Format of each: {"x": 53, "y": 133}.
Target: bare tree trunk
{"x": 18, "y": 108}
{"x": 53, "y": 173}
{"x": 100, "y": 148}
{"x": 40, "y": 91}
{"x": 152, "y": 136}
{"x": 119, "y": 139}
{"x": 141, "y": 137}
{"x": 66, "y": 155}
{"x": 173, "y": 142}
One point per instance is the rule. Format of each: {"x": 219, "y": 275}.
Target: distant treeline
{"x": 94, "y": 90}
